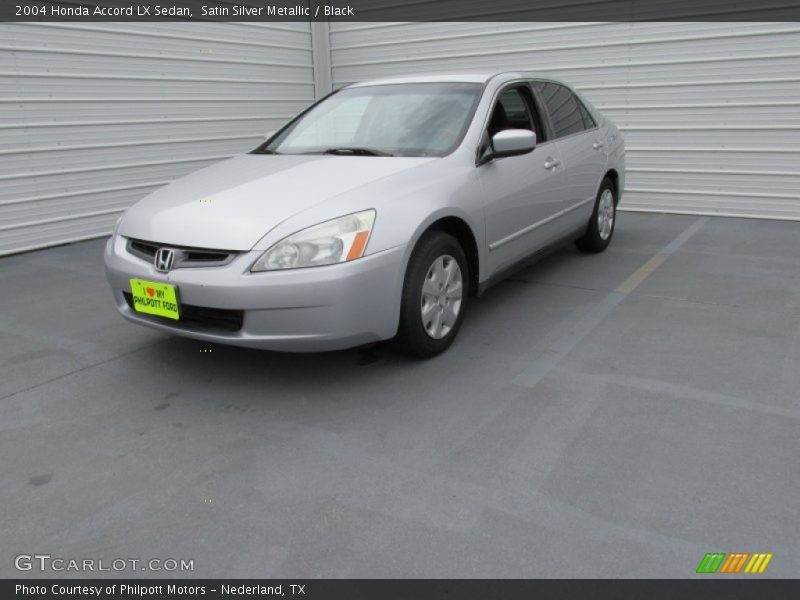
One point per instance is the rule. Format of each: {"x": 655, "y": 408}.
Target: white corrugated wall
{"x": 710, "y": 111}
{"x": 93, "y": 116}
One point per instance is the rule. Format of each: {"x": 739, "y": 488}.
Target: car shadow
{"x": 220, "y": 365}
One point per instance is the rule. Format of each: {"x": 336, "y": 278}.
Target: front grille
{"x": 144, "y": 250}
{"x": 199, "y": 317}
{"x": 185, "y": 256}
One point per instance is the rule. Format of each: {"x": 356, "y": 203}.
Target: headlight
{"x": 335, "y": 241}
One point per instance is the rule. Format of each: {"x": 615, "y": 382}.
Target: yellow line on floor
{"x": 640, "y": 274}
{"x": 544, "y": 361}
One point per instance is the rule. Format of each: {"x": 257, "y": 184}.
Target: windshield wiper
{"x": 356, "y": 152}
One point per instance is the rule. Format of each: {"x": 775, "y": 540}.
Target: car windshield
{"x": 419, "y": 119}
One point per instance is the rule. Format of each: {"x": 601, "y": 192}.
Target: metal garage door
{"x": 94, "y": 116}
{"x": 710, "y": 111}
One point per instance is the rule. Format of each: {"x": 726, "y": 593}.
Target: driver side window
{"x": 514, "y": 110}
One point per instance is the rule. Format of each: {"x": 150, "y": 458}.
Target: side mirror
{"x": 510, "y": 142}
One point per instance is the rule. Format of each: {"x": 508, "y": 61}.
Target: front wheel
{"x": 601, "y": 225}
{"x": 434, "y": 295}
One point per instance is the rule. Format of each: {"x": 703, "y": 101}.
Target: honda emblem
{"x": 164, "y": 259}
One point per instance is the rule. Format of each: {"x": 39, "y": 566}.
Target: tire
{"x": 600, "y": 230}
{"x": 431, "y": 291}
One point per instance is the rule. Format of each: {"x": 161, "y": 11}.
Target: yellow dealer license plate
{"x": 153, "y": 298}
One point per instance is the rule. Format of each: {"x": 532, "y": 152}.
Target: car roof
{"x": 455, "y": 77}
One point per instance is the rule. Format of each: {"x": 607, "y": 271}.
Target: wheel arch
{"x": 613, "y": 175}
{"x": 460, "y": 229}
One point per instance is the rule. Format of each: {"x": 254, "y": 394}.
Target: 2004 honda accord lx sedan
{"x": 377, "y": 213}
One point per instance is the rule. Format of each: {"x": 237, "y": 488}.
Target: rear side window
{"x": 566, "y": 111}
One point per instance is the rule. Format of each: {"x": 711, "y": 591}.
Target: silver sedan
{"x": 377, "y": 213}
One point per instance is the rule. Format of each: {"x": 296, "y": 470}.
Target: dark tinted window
{"x": 563, "y": 106}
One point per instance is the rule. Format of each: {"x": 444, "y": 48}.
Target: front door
{"x": 522, "y": 193}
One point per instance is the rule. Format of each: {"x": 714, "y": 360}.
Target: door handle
{"x": 551, "y": 163}
{"x": 597, "y": 145}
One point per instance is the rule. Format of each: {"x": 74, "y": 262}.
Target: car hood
{"x": 231, "y": 205}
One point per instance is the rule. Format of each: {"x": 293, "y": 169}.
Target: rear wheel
{"x": 434, "y": 295}
{"x": 601, "y": 225}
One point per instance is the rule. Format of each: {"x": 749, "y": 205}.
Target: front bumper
{"x": 298, "y": 310}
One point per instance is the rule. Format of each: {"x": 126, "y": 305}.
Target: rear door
{"x": 583, "y": 154}
{"x": 520, "y": 192}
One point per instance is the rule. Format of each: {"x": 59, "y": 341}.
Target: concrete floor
{"x": 616, "y": 415}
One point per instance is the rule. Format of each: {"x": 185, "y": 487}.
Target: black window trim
{"x": 577, "y": 99}
{"x": 544, "y": 113}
